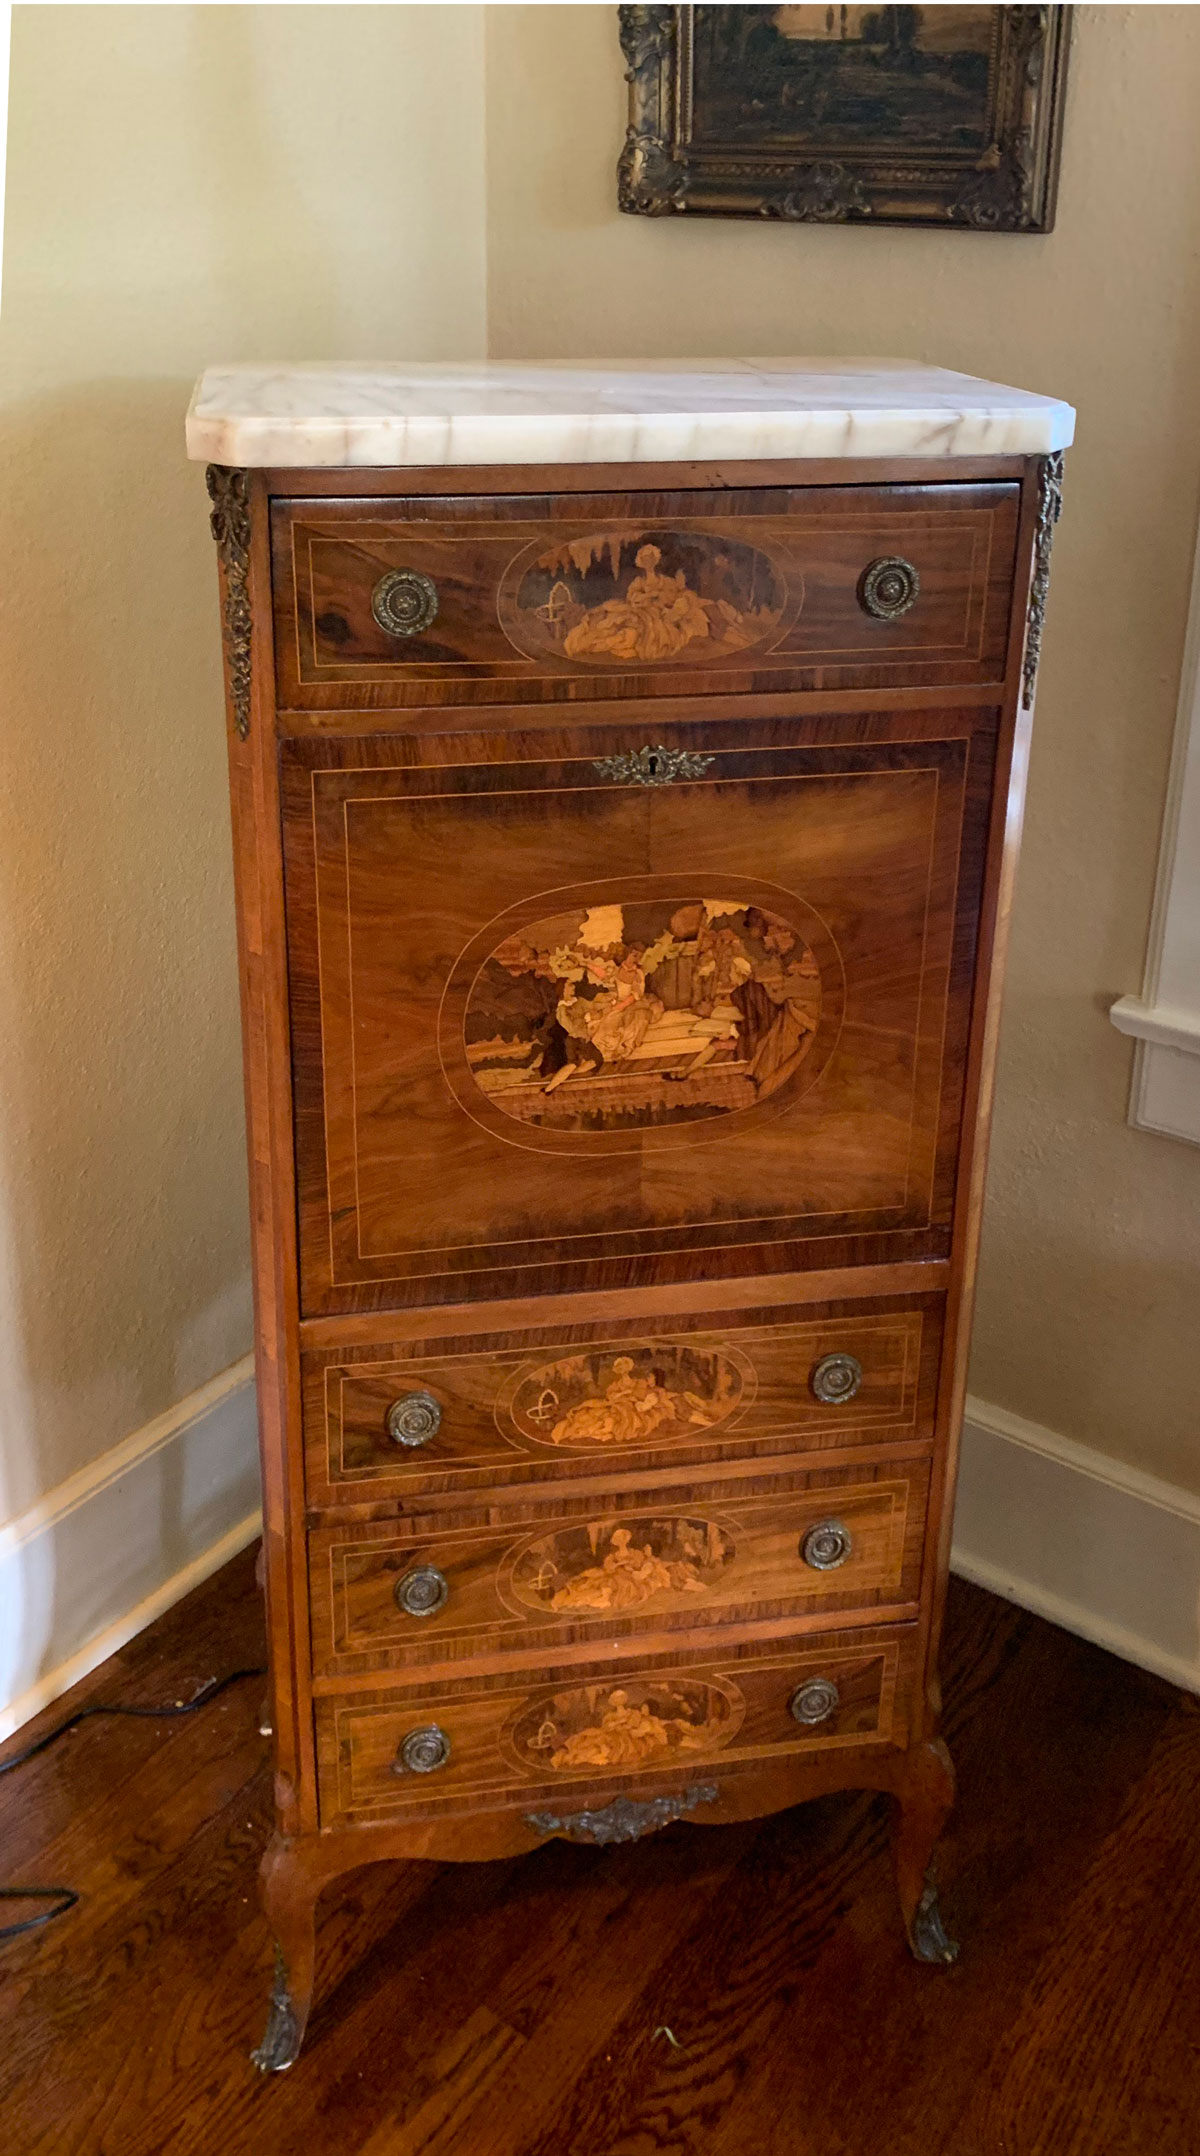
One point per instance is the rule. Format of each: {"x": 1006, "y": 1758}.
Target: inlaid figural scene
{"x": 626, "y": 1725}
{"x": 632, "y": 1015}
{"x": 604, "y": 1566}
{"x": 647, "y": 596}
{"x": 655, "y": 1389}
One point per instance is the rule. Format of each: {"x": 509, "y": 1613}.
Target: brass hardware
{"x": 404, "y": 602}
{"x": 651, "y": 767}
{"x": 1050, "y": 482}
{"x": 927, "y": 1934}
{"x": 836, "y": 1378}
{"x": 422, "y": 1592}
{"x": 888, "y": 587}
{"x": 423, "y": 1751}
{"x": 230, "y": 527}
{"x": 625, "y": 1819}
{"x": 814, "y": 1701}
{"x": 826, "y": 1546}
{"x": 281, "y": 2043}
{"x": 414, "y": 1419}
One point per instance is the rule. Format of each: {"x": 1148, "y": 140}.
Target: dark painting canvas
{"x": 845, "y": 73}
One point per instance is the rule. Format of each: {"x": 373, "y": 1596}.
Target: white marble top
{"x": 620, "y": 412}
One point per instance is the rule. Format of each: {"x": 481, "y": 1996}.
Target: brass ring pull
{"x": 814, "y": 1701}
{"x": 404, "y": 602}
{"x": 414, "y": 1419}
{"x": 888, "y": 587}
{"x": 826, "y": 1546}
{"x": 422, "y": 1751}
{"x": 836, "y": 1379}
{"x": 422, "y": 1592}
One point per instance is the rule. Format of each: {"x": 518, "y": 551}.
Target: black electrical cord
{"x": 65, "y": 1898}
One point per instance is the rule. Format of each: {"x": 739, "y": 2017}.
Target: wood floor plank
{"x": 464, "y": 2070}
{"x": 1105, "y": 2051}
{"x": 574, "y": 2007}
{"x": 519, "y": 2009}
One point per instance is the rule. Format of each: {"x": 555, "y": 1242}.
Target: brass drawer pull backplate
{"x": 423, "y": 1751}
{"x": 836, "y": 1378}
{"x": 814, "y": 1701}
{"x": 404, "y": 602}
{"x": 826, "y": 1546}
{"x": 414, "y": 1419}
{"x": 888, "y": 587}
{"x": 422, "y": 1592}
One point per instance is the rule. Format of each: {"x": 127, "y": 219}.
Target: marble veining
{"x": 624, "y": 412}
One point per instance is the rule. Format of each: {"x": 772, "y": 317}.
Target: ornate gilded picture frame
{"x": 842, "y": 115}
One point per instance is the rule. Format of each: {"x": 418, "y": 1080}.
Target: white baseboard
{"x": 1165, "y": 1094}
{"x": 105, "y": 1553}
{"x": 1090, "y": 1544}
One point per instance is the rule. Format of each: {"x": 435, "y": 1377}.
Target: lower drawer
{"x": 388, "y": 1594}
{"x": 657, "y": 1723}
{"x": 429, "y": 1423}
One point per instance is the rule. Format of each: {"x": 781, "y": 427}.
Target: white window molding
{"x": 5, "y": 38}
{"x": 1165, "y": 1019}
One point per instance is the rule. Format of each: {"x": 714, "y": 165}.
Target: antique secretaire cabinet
{"x": 626, "y": 772}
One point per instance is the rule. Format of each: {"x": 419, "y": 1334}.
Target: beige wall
{"x": 184, "y": 184}
{"x": 1088, "y": 1313}
{"x": 191, "y": 183}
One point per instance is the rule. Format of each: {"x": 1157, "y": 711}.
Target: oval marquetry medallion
{"x": 640, "y": 1722}
{"x": 640, "y": 1392}
{"x": 642, "y": 1013}
{"x": 602, "y": 1566}
{"x": 640, "y": 597}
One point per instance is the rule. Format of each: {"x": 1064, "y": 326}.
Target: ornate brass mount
{"x": 626, "y": 1819}
{"x": 414, "y": 1419}
{"x": 1050, "y": 486}
{"x": 651, "y": 767}
{"x": 404, "y": 602}
{"x": 281, "y": 2043}
{"x": 888, "y": 587}
{"x": 230, "y": 526}
{"x": 927, "y": 1935}
{"x": 836, "y": 1378}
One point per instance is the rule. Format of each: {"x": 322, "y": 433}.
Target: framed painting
{"x": 843, "y": 115}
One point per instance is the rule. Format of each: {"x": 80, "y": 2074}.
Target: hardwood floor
{"x": 523, "y": 2009}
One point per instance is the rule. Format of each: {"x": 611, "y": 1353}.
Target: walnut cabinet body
{"x": 623, "y": 860}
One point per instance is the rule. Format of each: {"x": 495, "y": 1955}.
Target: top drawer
{"x": 541, "y": 598}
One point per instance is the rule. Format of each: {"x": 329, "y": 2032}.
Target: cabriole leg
{"x": 289, "y": 1897}
{"x": 923, "y": 1803}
